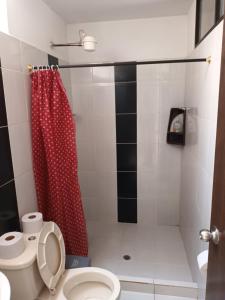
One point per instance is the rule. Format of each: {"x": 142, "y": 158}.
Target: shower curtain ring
{"x": 52, "y": 67}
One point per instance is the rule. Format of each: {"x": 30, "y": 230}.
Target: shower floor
{"x": 156, "y": 253}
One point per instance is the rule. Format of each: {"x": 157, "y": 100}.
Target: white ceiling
{"x": 76, "y": 11}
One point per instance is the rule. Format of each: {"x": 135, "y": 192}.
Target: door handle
{"x": 210, "y": 235}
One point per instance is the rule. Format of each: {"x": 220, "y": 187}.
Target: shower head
{"x": 88, "y": 42}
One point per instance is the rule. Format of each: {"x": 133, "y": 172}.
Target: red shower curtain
{"x": 55, "y": 160}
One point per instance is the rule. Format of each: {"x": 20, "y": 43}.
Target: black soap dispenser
{"x": 176, "y": 126}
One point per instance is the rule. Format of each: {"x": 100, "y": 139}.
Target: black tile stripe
{"x": 126, "y": 128}
{"x": 126, "y": 91}
{"x": 52, "y": 60}
{"x": 125, "y": 73}
{"x": 126, "y": 138}
{"x": 6, "y": 169}
{"x": 9, "y": 218}
{"x": 127, "y": 157}
{"x": 3, "y": 117}
{"x": 127, "y": 210}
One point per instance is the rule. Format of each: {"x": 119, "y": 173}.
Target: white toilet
{"x": 39, "y": 272}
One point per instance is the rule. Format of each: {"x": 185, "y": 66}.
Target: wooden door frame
{"x": 216, "y": 276}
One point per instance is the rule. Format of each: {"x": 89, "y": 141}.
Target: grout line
{"x": 127, "y": 198}
{"x": 7, "y": 182}
{"x": 121, "y": 114}
{"x": 125, "y": 82}
{"x": 126, "y": 171}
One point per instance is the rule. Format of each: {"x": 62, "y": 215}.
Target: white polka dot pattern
{"x": 55, "y": 160}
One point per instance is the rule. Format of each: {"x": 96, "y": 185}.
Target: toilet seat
{"x": 51, "y": 255}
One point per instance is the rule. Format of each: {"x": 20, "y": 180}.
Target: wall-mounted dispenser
{"x": 176, "y": 126}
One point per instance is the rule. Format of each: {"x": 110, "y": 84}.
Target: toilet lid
{"x": 51, "y": 254}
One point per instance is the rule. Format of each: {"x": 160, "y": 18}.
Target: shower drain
{"x": 126, "y": 257}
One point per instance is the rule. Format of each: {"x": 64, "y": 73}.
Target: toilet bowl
{"x": 85, "y": 284}
{"x": 45, "y": 264}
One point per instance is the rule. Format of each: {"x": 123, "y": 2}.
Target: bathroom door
{"x": 216, "y": 264}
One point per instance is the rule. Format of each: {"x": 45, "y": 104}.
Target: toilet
{"x": 39, "y": 272}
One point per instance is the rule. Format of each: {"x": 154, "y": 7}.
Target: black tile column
{"x": 52, "y": 60}
{"x": 126, "y": 139}
{"x": 9, "y": 219}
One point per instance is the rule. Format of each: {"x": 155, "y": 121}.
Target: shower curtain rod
{"x": 124, "y": 63}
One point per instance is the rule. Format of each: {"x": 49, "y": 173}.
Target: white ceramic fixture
{"x": 43, "y": 261}
{"x": 87, "y": 42}
{"x": 4, "y": 287}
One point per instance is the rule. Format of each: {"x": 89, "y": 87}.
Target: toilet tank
{"x": 22, "y": 271}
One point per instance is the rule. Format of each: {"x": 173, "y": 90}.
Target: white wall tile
{"x": 103, "y": 74}
{"x": 82, "y": 99}
{"x": 148, "y": 156}
{"x": 27, "y": 84}
{"x": 83, "y": 129}
{"x": 147, "y": 211}
{"x": 146, "y": 73}
{"x": 20, "y": 140}
{"x": 147, "y": 184}
{"x": 168, "y": 209}
{"x": 10, "y": 52}
{"x": 104, "y": 100}
{"x": 32, "y": 56}
{"x": 202, "y": 88}
{"x": 171, "y": 94}
{"x": 148, "y": 127}
{"x": 66, "y": 79}
{"x": 87, "y": 181}
{"x": 26, "y": 194}
{"x": 16, "y": 96}
{"x": 106, "y": 185}
{"x": 105, "y": 156}
{"x": 178, "y": 72}
{"x": 148, "y": 96}
{"x": 160, "y": 87}
{"x": 81, "y": 75}
{"x": 103, "y": 129}
{"x": 86, "y": 158}
{"x": 102, "y": 209}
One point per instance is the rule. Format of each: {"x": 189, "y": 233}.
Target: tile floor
{"x": 156, "y": 253}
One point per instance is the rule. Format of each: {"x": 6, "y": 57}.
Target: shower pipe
{"x": 123, "y": 63}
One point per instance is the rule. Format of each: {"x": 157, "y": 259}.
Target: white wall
{"x": 191, "y": 20}
{"x": 202, "y": 91}
{"x": 3, "y": 16}
{"x": 93, "y": 94}
{"x": 159, "y": 88}
{"x": 139, "y": 39}
{"x": 158, "y": 165}
{"x": 158, "y": 185}
{"x": 15, "y": 55}
{"x": 33, "y": 22}
{"x": 17, "y": 87}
